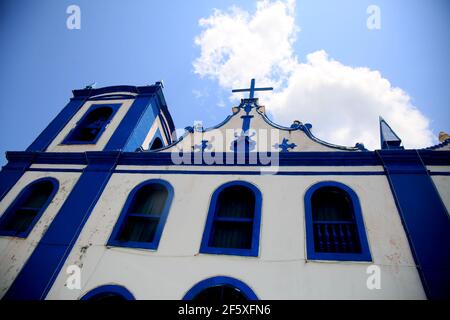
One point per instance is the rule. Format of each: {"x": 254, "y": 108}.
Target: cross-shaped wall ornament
{"x": 285, "y": 146}
{"x": 205, "y": 145}
{"x": 252, "y": 89}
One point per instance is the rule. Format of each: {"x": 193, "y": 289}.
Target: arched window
{"x": 220, "y": 289}
{"x": 156, "y": 144}
{"x": 233, "y": 220}
{"x": 108, "y": 293}
{"x": 21, "y": 216}
{"x": 142, "y": 220}
{"x": 334, "y": 225}
{"x": 93, "y": 123}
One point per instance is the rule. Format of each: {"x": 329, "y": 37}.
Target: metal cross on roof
{"x": 252, "y": 89}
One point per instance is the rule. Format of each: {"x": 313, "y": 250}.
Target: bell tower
{"x": 117, "y": 118}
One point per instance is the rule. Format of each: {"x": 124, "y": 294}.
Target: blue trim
{"x": 254, "y": 250}
{"x": 255, "y": 173}
{"x": 219, "y": 281}
{"x": 306, "y": 128}
{"x": 18, "y": 163}
{"x": 58, "y": 123}
{"x": 69, "y": 141}
{"x": 38, "y": 274}
{"x": 20, "y": 160}
{"x": 165, "y": 129}
{"x": 438, "y": 146}
{"x": 112, "y": 97}
{"x": 143, "y": 126}
{"x": 124, "y": 132}
{"x": 440, "y": 173}
{"x": 19, "y": 199}
{"x": 123, "y": 215}
{"x": 424, "y": 216}
{"x": 109, "y": 289}
{"x": 54, "y": 170}
{"x": 311, "y": 253}
{"x": 189, "y": 130}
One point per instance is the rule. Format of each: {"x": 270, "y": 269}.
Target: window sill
{"x": 230, "y": 251}
{"x": 133, "y": 245}
{"x": 339, "y": 257}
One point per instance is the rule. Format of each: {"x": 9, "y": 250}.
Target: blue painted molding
{"x": 219, "y": 281}
{"x": 20, "y": 160}
{"x": 123, "y": 215}
{"x": 232, "y": 172}
{"x": 312, "y": 254}
{"x": 18, "y": 163}
{"x": 19, "y": 200}
{"x": 306, "y": 128}
{"x": 211, "y": 218}
{"x": 68, "y": 140}
{"x": 439, "y": 145}
{"x": 108, "y": 289}
{"x": 54, "y": 128}
{"x": 126, "y": 128}
{"x": 424, "y": 217}
{"x": 37, "y": 276}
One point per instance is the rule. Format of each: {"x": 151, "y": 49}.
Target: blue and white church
{"x": 108, "y": 203}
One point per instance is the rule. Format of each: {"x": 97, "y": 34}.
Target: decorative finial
{"x": 389, "y": 139}
{"x": 443, "y": 136}
{"x": 91, "y": 86}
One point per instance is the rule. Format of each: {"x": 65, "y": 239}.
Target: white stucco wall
{"x": 281, "y": 270}
{"x": 14, "y": 252}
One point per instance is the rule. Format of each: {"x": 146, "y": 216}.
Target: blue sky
{"x": 140, "y": 42}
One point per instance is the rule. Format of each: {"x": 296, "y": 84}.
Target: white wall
{"x": 281, "y": 270}
{"x": 14, "y": 252}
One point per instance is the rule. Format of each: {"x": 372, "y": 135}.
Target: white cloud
{"x": 342, "y": 102}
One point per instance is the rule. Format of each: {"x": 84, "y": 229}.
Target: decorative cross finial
{"x": 252, "y": 89}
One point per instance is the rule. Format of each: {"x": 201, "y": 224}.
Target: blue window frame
{"x": 21, "y": 216}
{"x": 334, "y": 224}
{"x": 233, "y": 223}
{"x": 220, "y": 288}
{"x": 141, "y": 223}
{"x": 91, "y": 126}
{"x": 108, "y": 293}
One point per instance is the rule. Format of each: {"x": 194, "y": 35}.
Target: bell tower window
{"x": 91, "y": 126}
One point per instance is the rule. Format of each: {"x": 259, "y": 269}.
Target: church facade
{"x": 108, "y": 203}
